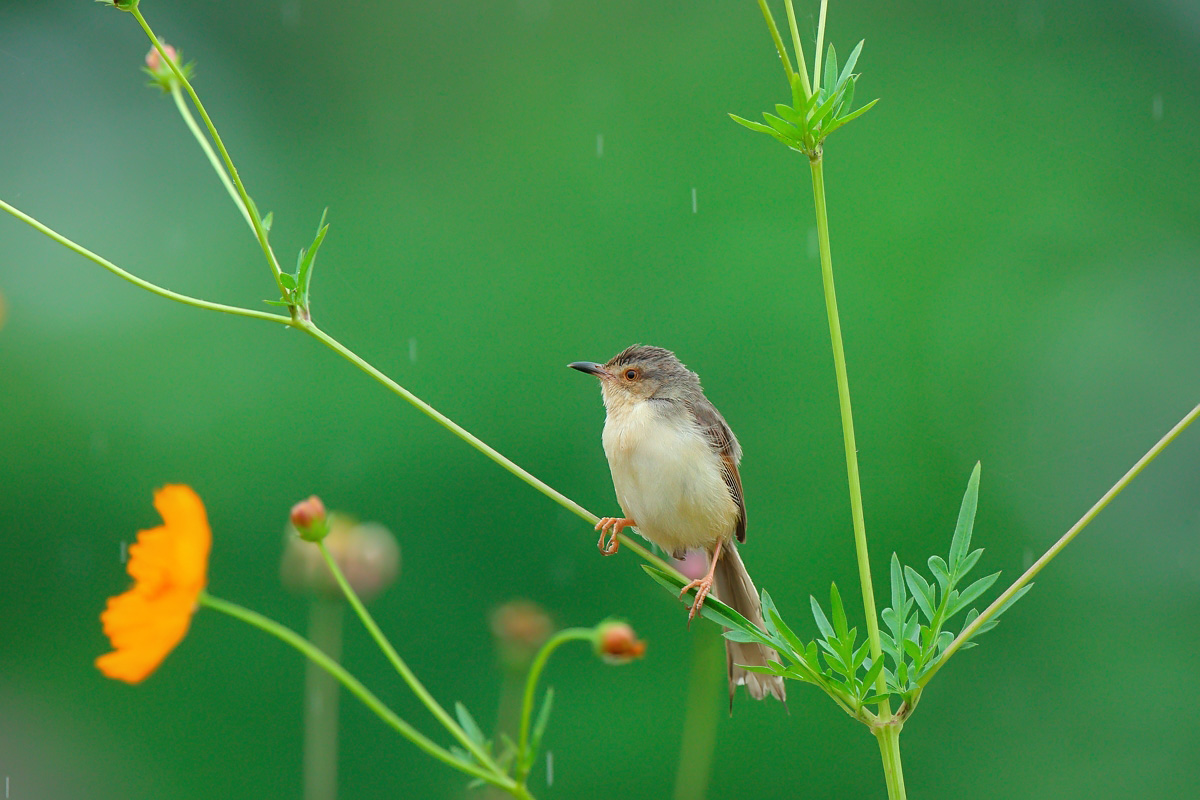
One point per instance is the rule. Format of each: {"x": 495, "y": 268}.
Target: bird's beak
{"x": 591, "y": 367}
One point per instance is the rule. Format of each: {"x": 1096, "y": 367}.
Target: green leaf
{"x": 284, "y": 303}
{"x": 839, "y": 612}
{"x": 829, "y": 79}
{"x": 267, "y": 220}
{"x": 850, "y": 62}
{"x": 814, "y": 121}
{"x": 539, "y": 725}
{"x": 960, "y": 544}
{"x": 938, "y": 567}
{"x": 469, "y": 726}
{"x": 922, "y": 592}
{"x": 853, "y": 115}
{"x": 304, "y": 274}
{"x": 713, "y": 608}
{"x": 783, "y": 126}
{"x": 847, "y": 102}
{"x": 872, "y": 674}
{"x": 288, "y": 280}
{"x": 795, "y": 647}
{"x": 970, "y": 593}
{"x": 968, "y": 563}
{"x": 875, "y": 698}
{"x": 758, "y": 126}
{"x": 790, "y": 115}
{"x": 740, "y": 636}
{"x": 860, "y": 655}
{"x": 822, "y": 623}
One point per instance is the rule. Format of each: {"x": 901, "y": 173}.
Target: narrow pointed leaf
{"x": 853, "y": 115}
{"x": 468, "y": 724}
{"x": 789, "y": 114}
{"x": 829, "y": 78}
{"x": 922, "y": 592}
{"x": 796, "y": 646}
{"x": 783, "y": 126}
{"x": 310, "y": 257}
{"x": 970, "y": 593}
{"x": 850, "y": 62}
{"x": 822, "y": 623}
{"x": 961, "y": 543}
{"x": 938, "y": 567}
{"x": 847, "y": 101}
{"x": 838, "y": 611}
{"x": 713, "y": 608}
{"x": 267, "y": 221}
{"x": 539, "y": 725}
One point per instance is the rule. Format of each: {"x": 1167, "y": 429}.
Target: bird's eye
{"x": 631, "y": 374}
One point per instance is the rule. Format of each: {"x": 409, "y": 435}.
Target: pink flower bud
{"x": 308, "y": 516}
{"x": 154, "y": 61}
{"x": 616, "y": 643}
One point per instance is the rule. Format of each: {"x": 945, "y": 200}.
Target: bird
{"x": 674, "y": 463}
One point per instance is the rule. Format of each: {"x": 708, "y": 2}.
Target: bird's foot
{"x": 702, "y": 586}
{"x": 616, "y": 524}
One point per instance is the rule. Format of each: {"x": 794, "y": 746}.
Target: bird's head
{"x": 640, "y": 373}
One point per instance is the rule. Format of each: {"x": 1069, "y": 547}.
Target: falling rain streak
{"x": 599, "y": 145}
{"x": 694, "y": 200}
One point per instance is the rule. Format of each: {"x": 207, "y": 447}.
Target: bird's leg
{"x": 617, "y": 524}
{"x": 702, "y": 585}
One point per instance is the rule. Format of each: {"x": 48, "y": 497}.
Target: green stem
{"x": 775, "y": 37}
{"x": 355, "y": 687}
{"x": 531, "y": 681}
{"x": 701, "y": 716}
{"x": 820, "y": 46}
{"x": 202, "y": 140}
{"x": 843, "y": 387}
{"x": 808, "y": 87}
{"x": 402, "y": 668}
{"x": 321, "y": 702}
{"x": 475, "y": 441}
{"x": 345, "y": 352}
{"x": 889, "y": 750}
{"x": 255, "y": 222}
{"x": 1049, "y": 555}
{"x": 135, "y": 280}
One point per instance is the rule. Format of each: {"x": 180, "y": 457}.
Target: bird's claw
{"x": 617, "y": 524}
{"x": 702, "y": 586}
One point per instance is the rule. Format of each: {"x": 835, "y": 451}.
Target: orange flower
{"x": 169, "y": 566}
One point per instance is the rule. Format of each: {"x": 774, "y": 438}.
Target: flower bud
{"x": 616, "y": 642}
{"x": 366, "y": 553}
{"x": 154, "y": 60}
{"x": 308, "y": 518}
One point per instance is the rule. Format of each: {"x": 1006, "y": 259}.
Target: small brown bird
{"x": 674, "y": 464}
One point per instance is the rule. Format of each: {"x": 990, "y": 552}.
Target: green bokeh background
{"x": 1016, "y": 234}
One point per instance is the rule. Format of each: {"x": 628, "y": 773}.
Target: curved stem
{"x": 202, "y": 140}
{"x": 843, "y": 387}
{"x": 354, "y": 686}
{"x": 468, "y": 437}
{"x": 255, "y": 222}
{"x": 531, "y": 680}
{"x": 135, "y": 280}
{"x": 1049, "y": 555}
{"x": 401, "y": 667}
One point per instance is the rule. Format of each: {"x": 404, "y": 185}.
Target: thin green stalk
{"x": 355, "y": 687}
{"x": 350, "y": 356}
{"x": 255, "y": 222}
{"x": 820, "y": 45}
{"x": 402, "y": 668}
{"x": 843, "y": 387}
{"x": 321, "y": 701}
{"x": 889, "y": 751}
{"x": 474, "y": 441}
{"x": 775, "y": 37}
{"x": 1049, "y": 555}
{"x": 531, "y": 681}
{"x": 135, "y": 280}
{"x": 701, "y": 716}
{"x": 202, "y": 140}
{"x": 808, "y": 87}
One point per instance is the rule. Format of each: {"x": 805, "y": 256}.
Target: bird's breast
{"x": 667, "y": 476}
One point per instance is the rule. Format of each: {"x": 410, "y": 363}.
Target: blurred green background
{"x": 1016, "y": 234}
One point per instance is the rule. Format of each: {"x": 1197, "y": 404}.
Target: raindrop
{"x": 1027, "y": 558}
{"x": 1156, "y": 108}
{"x": 812, "y": 243}
{"x": 599, "y": 145}
{"x": 694, "y": 200}
{"x": 412, "y": 350}
{"x": 549, "y": 768}
{"x": 124, "y": 552}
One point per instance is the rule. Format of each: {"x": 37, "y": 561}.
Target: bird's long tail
{"x": 734, "y": 588}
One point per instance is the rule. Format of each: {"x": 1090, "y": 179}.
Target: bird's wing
{"x": 725, "y": 444}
